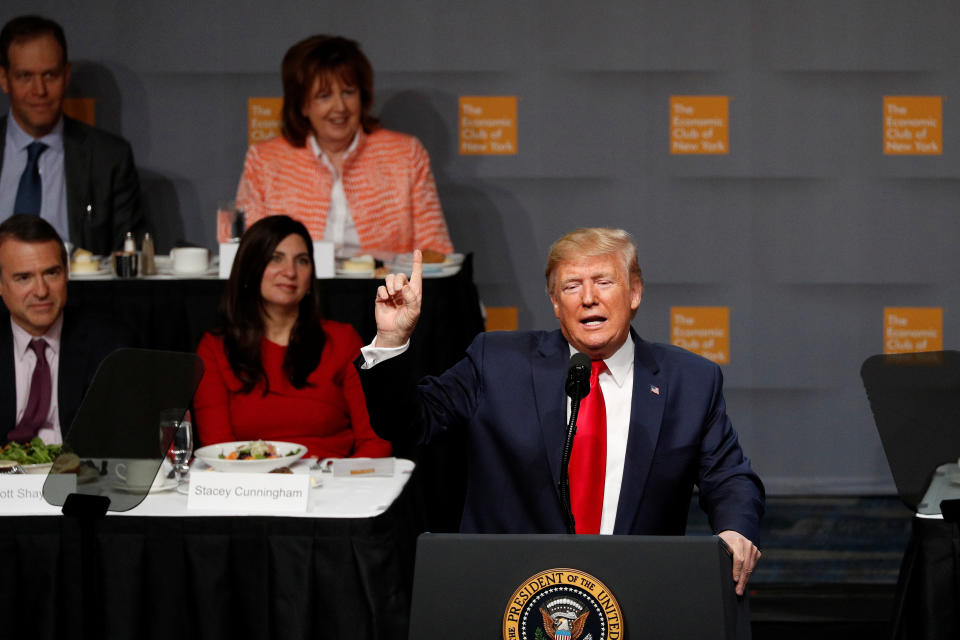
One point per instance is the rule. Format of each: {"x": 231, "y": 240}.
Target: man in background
{"x": 78, "y": 178}
{"x": 48, "y": 356}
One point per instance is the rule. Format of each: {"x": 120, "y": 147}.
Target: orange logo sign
{"x": 488, "y": 125}
{"x": 699, "y": 125}
{"x": 703, "y": 330}
{"x": 912, "y": 329}
{"x": 912, "y": 125}
{"x": 264, "y": 118}
{"x": 82, "y": 109}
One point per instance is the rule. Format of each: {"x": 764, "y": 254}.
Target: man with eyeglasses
{"x": 82, "y": 180}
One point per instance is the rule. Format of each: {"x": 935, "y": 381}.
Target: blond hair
{"x": 589, "y": 243}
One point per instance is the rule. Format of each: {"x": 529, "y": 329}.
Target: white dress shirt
{"x": 24, "y": 361}
{"x": 616, "y": 383}
{"x": 340, "y": 228}
{"x": 53, "y": 206}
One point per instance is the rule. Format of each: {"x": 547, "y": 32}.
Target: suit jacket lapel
{"x": 549, "y": 374}
{"x": 646, "y": 416}
{"x": 76, "y": 168}
{"x": 8, "y": 378}
{"x": 70, "y": 379}
{"x": 3, "y": 139}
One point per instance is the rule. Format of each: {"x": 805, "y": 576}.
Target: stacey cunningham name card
{"x": 23, "y": 494}
{"x": 249, "y": 492}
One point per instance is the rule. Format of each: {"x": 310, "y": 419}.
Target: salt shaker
{"x": 129, "y": 243}
{"x": 147, "y": 265}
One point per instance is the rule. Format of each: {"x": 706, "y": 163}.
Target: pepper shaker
{"x": 147, "y": 265}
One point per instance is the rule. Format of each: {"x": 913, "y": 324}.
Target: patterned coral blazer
{"x": 387, "y": 180}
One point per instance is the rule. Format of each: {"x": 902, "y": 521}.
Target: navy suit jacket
{"x": 86, "y": 339}
{"x": 509, "y": 394}
{"x": 103, "y": 190}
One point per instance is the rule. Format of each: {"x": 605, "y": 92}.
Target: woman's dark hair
{"x": 242, "y": 309}
{"x": 317, "y": 57}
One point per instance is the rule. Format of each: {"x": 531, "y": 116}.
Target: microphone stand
{"x": 565, "y": 457}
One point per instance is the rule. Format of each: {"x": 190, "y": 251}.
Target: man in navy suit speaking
{"x": 653, "y": 425}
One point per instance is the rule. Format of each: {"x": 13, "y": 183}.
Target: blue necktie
{"x": 30, "y": 191}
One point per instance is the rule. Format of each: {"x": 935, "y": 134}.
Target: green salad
{"x": 256, "y": 450}
{"x": 33, "y": 453}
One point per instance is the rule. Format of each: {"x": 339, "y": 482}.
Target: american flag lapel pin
{"x": 654, "y": 389}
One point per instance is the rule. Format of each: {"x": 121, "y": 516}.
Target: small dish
{"x": 289, "y": 452}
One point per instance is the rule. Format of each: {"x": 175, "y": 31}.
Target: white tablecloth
{"x": 330, "y": 497}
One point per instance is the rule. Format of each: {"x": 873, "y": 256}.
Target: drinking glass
{"x": 181, "y": 449}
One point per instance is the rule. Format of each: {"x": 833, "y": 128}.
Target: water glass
{"x": 181, "y": 449}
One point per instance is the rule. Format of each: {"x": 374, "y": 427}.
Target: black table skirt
{"x": 209, "y": 577}
{"x": 173, "y": 314}
{"x": 928, "y": 591}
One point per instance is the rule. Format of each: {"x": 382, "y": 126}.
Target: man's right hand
{"x": 397, "y": 308}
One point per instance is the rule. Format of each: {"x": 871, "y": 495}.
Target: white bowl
{"x": 210, "y": 455}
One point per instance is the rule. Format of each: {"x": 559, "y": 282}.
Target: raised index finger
{"x": 416, "y": 276}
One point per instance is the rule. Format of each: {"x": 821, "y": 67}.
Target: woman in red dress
{"x": 274, "y": 369}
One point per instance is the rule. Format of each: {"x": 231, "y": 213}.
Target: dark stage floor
{"x": 829, "y": 566}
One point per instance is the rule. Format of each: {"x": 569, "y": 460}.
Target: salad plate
{"x": 217, "y": 457}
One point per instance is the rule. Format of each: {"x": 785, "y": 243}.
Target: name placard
{"x": 228, "y": 251}
{"x": 323, "y": 259}
{"x": 363, "y": 467}
{"x": 23, "y": 494}
{"x": 249, "y": 492}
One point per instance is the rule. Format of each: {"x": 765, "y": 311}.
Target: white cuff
{"x": 373, "y": 355}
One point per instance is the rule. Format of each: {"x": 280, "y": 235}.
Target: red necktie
{"x": 38, "y": 402}
{"x": 588, "y": 461}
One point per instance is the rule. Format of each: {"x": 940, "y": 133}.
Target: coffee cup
{"x": 190, "y": 259}
{"x": 139, "y": 473}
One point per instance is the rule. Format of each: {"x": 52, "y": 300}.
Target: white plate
{"x": 209, "y": 273}
{"x": 447, "y": 270}
{"x": 168, "y": 483}
{"x": 404, "y": 262}
{"x": 210, "y": 454}
{"x": 99, "y": 273}
{"x": 341, "y": 273}
{"x": 37, "y": 468}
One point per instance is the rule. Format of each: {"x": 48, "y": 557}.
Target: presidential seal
{"x": 562, "y": 604}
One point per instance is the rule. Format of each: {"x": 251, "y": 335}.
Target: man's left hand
{"x": 745, "y": 556}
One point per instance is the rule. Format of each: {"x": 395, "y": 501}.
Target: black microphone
{"x": 578, "y": 388}
{"x": 578, "y": 377}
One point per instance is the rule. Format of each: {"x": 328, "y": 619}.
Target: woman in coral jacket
{"x": 274, "y": 369}
{"x": 347, "y": 180}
